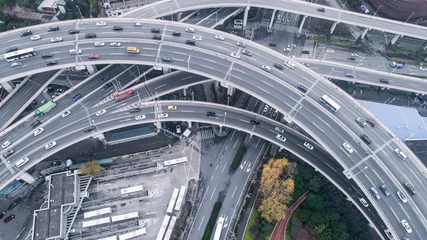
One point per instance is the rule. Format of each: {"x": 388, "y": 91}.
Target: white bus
{"x": 218, "y": 228}
{"x": 168, "y": 234}
{"x": 175, "y": 161}
{"x": 133, "y": 234}
{"x": 330, "y": 103}
{"x": 180, "y": 198}
{"x": 123, "y": 217}
{"x": 97, "y": 212}
{"x": 131, "y": 190}
{"x": 172, "y": 201}
{"x": 96, "y": 222}
{"x": 163, "y": 227}
{"x": 20, "y": 54}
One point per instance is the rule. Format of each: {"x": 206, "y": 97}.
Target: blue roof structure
{"x": 405, "y": 122}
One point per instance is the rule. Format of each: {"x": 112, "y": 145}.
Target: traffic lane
{"x": 174, "y": 81}
{"x": 203, "y": 13}
{"x": 218, "y": 15}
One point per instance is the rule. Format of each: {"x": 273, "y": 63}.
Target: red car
{"x": 10, "y": 218}
{"x": 93, "y": 56}
{"x": 372, "y": 122}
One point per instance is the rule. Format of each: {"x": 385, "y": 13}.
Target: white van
{"x": 21, "y": 162}
{"x": 75, "y": 51}
{"x": 401, "y": 154}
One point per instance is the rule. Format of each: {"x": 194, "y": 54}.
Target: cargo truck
{"x": 45, "y": 108}
{"x": 123, "y": 95}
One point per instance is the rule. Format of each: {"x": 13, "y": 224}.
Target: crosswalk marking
{"x": 205, "y": 134}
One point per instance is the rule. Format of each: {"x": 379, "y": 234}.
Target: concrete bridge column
{"x": 91, "y": 69}
{"x": 166, "y": 70}
{"x": 189, "y": 124}
{"x": 271, "y": 21}
{"x": 7, "y": 86}
{"x": 178, "y": 17}
{"x": 158, "y": 126}
{"x": 280, "y": 149}
{"x": 185, "y": 92}
{"x": 26, "y": 177}
{"x": 301, "y": 25}
{"x": 216, "y": 84}
{"x": 245, "y": 16}
{"x": 251, "y": 136}
{"x": 333, "y": 27}
{"x": 230, "y": 90}
{"x": 394, "y": 39}
{"x": 365, "y": 31}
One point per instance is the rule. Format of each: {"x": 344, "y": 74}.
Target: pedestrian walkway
{"x": 205, "y": 134}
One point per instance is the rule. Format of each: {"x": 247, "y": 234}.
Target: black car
{"x": 53, "y": 62}
{"x": 53, "y": 29}
{"x": 155, "y": 30}
{"x": 385, "y": 190}
{"x": 366, "y": 139}
{"x": 135, "y": 110}
{"x": 12, "y": 49}
{"x": 157, "y": 37}
{"x": 272, "y": 44}
{"x": 35, "y": 124}
{"x": 302, "y": 88}
{"x": 410, "y": 188}
{"x": 190, "y": 42}
{"x": 176, "y": 34}
{"x": 117, "y": 28}
{"x": 47, "y": 55}
{"x": 279, "y": 66}
{"x": 8, "y": 153}
{"x": 210, "y": 114}
{"x": 90, "y": 35}
{"x": 73, "y": 31}
{"x": 167, "y": 59}
{"x": 89, "y": 129}
{"x": 305, "y": 52}
{"x": 384, "y": 80}
{"x": 26, "y": 33}
{"x": 108, "y": 85}
{"x": 321, "y": 9}
{"x": 351, "y": 58}
{"x": 253, "y": 122}
{"x": 104, "y": 78}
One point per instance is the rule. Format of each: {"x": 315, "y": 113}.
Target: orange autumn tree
{"x": 277, "y": 186}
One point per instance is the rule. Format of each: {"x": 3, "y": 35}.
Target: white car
{"x": 281, "y": 138}
{"x": 235, "y": 55}
{"x": 36, "y": 37}
{"x": 347, "y": 147}
{"x": 38, "y": 131}
{"x": 308, "y": 145}
{"x": 100, "y": 24}
{"x": 289, "y": 64}
{"x": 16, "y": 64}
{"x": 99, "y": 44}
{"x": 330, "y": 51}
{"x": 5, "y": 144}
{"x": 219, "y": 37}
{"x": 279, "y": 129}
{"x": 354, "y": 55}
{"x": 402, "y": 197}
{"x": 65, "y": 114}
{"x": 406, "y": 226}
{"x": 265, "y": 108}
{"x": 50, "y": 145}
{"x": 423, "y": 68}
{"x": 137, "y": 24}
{"x": 178, "y": 129}
{"x": 162, "y": 115}
{"x": 266, "y": 68}
{"x": 56, "y": 39}
{"x": 101, "y": 112}
{"x": 363, "y": 202}
{"x": 197, "y": 37}
{"x": 115, "y": 44}
{"x": 140, "y": 117}
{"x": 190, "y": 30}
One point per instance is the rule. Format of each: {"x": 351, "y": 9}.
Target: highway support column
{"x": 7, "y": 86}
{"x": 91, "y": 69}
{"x": 230, "y": 90}
{"x": 158, "y": 126}
{"x": 394, "y": 39}
{"x": 166, "y": 70}
{"x": 270, "y": 26}
{"x": 185, "y": 92}
{"x": 301, "y": 25}
{"x": 26, "y": 177}
{"x": 334, "y": 25}
{"x": 365, "y": 31}
{"x": 245, "y": 16}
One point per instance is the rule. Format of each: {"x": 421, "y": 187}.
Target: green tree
{"x": 92, "y": 168}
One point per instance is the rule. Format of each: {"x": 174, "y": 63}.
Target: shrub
{"x": 238, "y": 158}
{"x": 212, "y": 221}
{"x": 254, "y": 230}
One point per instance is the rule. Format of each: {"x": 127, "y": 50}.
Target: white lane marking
{"x": 324, "y": 121}
{"x": 235, "y": 143}
{"x": 394, "y": 214}
{"x": 235, "y": 76}
{"x": 209, "y": 60}
{"x": 369, "y": 179}
{"x": 180, "y": 53}
{"x": 234, "y": 192}
{"x": 203, "y": 218}
{"x": 126, "y": 120}
{"x": 413, "y": 85}
{"x": 224, "y": 167}
{"x": 206, "y": 66}
{"x": 160, "y": 86}
{"x": 419, "y": 180}
{"x": 226, "y": 147}
{"x": 187, "y": 111}
{"x": 212, "y": 177}
{"x": 213, "y": 193}
{"x": 318, "y": 127}
{"x": 239, "y": 70}
{"x": 155, "y": 49}
{"x": 404, "y": 211}
{"x": 330, "y": 167}
{"x": 148, "y": 55}
{"x": 267, "y": 83}
{"x": 186, "y": 78}
{"x": 263, "y": 90}
{"x": 377, "y": 175}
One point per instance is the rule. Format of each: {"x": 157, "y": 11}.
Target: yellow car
{"x": 171, "y": 107}
{"x": 287, "y": 49}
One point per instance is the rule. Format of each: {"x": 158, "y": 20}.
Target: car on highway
{"x": 162, "y": 115}
{"x": 279, "y": 129}
{"x": 302, "y": 88}
{"x": 115, "y": 44}
{"x": 253, "y": 122}
{"x": 287, "y": 49}
{"x": 50, "y": 63}
{"x": 36, "y": 37}
{"x": 330, "y": 51}
{"x": 400, "y": 153}
{"x": 406, "y": 226}
{"x": 76, "y": 97}
{"x": 308, "y": 145}
{"x": 6, "y": 144}
{"x": 354, "y": 55}
{"x": 219, "y": 37}
{"x": 375, "y": 193}
{"x": 26, "y": 33}
{"x": 35, "y": 124}
{"x": 278, "y": 66}
{"x": 100, "y": 24}
{"x": 16, "y": 64}
{"x": 50, "y": 145}
{"x": 47, "y": 55}
{"x": 363, "y": 202}
{"x": 371, "y": 122}
{"x": 176, "y": 34}
{"x": 305, "y": 52}
{"x": 190, "y": 30}
{"x": 197, "y": 37}
{"x": 38, "y": 132}
{"x": 321, "y": 9}
{"x": 108, "y": 85}
{"x": 90, "y": 35}
{"x": 366, "y": 139}
{"x": 56, "y": 39}
{"x": 266, "y": 68}
{"x": 190, "y": 42}
{"x": 157, "y": 37}
{"x": 289, "y": 64}
{"x": 386, "y": 81}
{"x": 235, "y": 55}
{"x": 281, "y": 138}
{"x": 8, "y": 153}
{"x": 241, "y": 44}
{"x": 410, "y": 188}
{"x": 140, "y": 117}
{"x": 385, "y": 190}
{"x": 347, "y": 147}
{"x": 104, "y": 78}
{"x": 167, "y": 59}
{"x": 11, "y": 49}
{"x": 361, "y": 122}
{"x": 155, "y": 30}
{"x": 272, "y": 44}
{"x": 99, "y": 44}
{"x": 73, "y": 31}
{"x": 117, "y": 28}
{"x": 423, "y": 68}
{"x": 93, "y": 56}
{"x": 210, "y": 114}
{"x": 349, "y": 75}
{"x": 10, "y": 218}
{"x": 89, "y": 129}
{"x": 172, "y": 107}
{"x": 137, "y": 24}
{"x": 402, "y": 197}
{"x": 65, "y": 114}
{"x": 101, "y": 112}
{"x": 135, "y": 110}
{"x": 178, "y": 129}
{"x": 247, "y": 52}
{"x": 351, "y": 58}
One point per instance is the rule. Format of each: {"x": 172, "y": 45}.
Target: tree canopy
{"x": 92, "y": 168}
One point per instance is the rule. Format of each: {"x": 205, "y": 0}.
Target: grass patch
{"x": 248, "y": 235}
{"x": 212, "y": 221}
{"x": 238, "y": 158}
{"x": 265, "y": 231}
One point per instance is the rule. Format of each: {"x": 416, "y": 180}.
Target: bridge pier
{"x": 362, "y": 35}
{"x": 91, "y": 69}
{"x": 7, "y": 86}
{"x": 245, "y": 16}
{"x": 280, "y": 149}
{"x": 301, "y": 25}
{"x": 166, "y": 70}
{"x": 230, "y": 90}
{"x": 179, "y": 16}
{"x": 216, "y": 84}
{"x": 269, "y": 29}
{"x": 394, "y": 39}
{"x": 26, "y": 177}
{"x": 250, "y": 136}
{"x": 158, "y": 126}
{"x": 185, "y": 92}
{"x": 334, "y": 25}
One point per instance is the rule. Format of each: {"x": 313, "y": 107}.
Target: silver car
{"x": 56, "y": 39}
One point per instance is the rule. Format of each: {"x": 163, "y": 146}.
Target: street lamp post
{"x": 377, "y": 10}
{"x": 81, "y": 15}
{"x": 330, "y": 73}
{"x": 409, "y": 17}
{"x": 360, "y": 171}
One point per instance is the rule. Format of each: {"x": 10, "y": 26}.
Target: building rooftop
{"x": 61, "y": 190}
